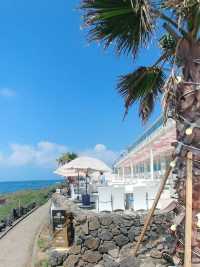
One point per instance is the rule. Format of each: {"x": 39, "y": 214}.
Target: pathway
{"x": 16, "y": 247}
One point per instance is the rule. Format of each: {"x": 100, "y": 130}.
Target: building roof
{"x": 158, "y": 136}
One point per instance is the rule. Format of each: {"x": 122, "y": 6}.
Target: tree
{"x": 66, "y": 157}
{"x": 128, "y": 26}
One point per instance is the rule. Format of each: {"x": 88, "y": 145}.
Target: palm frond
{"x": 187, "y": 14}
{"x": 143, "y": 85}
{"x": 146, "y": 106}
{"x": 126, "y": 24}
{"x": 168, "y": 44}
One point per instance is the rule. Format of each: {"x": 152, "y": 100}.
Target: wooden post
{"x": 19, "y": 207}
{"x": 151, "y": 211}
{"x": 188, "y": 215}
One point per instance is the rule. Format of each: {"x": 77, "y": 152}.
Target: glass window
{"x": 148, "y": 168}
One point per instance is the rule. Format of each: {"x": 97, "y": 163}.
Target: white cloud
{"x": 101, "y": 152}
{"x": 43, "y": 154}
{"x": 7, "y": 92}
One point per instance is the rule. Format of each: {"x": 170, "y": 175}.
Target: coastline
{"x": 15, "y": 186}
{"x": 22, "y": 202}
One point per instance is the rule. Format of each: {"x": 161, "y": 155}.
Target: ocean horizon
{"x": 14, "y": 186}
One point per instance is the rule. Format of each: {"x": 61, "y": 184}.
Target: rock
{"x": 105, "y": 235}
{"x": 109, "y": 261}
{"x": 107, "y": 257}
{"x": 131, "y": 234}
{"x": 111, "y": 264}
{"x": 106, "y": 220}
{"x": 144, "y": 239}
{"x": 94, "y": 233}
{"x": 71, "y": 261}
{"x": 57, "y": 258}
{"x": 2, "y": 226}
{"x": 114, "y": 252}
{"x": 85, "y": 228}
{"x": 160, "y": 247}
{"x": 118, "y": 220}
{"x": 94, "y": 223}
{"x": 128, "y": 223}
{"x": 124, "y": 230}
{"x": 76, "y": 249}
{"x": 149, "y": 246}
{"x": 92, "y": 256}
{"x": 92, "y": 243}
{"x": 83, "y": 250}
{"x": 129, "y": 217}
{"x": 158, "y": 220}
{"x": 129, "y": 262}
{"x": 104, "y": 227}
{"x": 106, "y": 246}
{"x": 126, "y": 251}
{"x": 137, "y": 230}
{"x": 82, "y": 230}
{"x": 153, "y": 227}
{"x": 153, "y": 235}
{"x": 156, "y": 254}
{"x": 82, "y": 263}
{"x": 147, "y": 263}
{"x": 116, "y": 231}
{"x": 121, "y": 240}
{"x": 81, "y": 219}
{"x": 139, "y": 222}
{"x": 100, "y": 264}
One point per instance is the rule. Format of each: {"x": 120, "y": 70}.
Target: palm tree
{"x": 66, "y": 157}
{"x": 130, "y": 25}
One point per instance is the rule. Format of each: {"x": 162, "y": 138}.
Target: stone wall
{"x": 104, "y": 240}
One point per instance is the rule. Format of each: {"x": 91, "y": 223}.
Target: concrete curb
{"x": 35, "y": 247}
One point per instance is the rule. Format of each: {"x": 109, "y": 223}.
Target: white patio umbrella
{"x": 68, "y": 173}
{"x": 87, "y": 165}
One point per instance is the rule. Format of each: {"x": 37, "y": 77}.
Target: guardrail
{"x": 8, "y": 228}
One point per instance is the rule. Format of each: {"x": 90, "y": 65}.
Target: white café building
{"x": 141, "y": 168}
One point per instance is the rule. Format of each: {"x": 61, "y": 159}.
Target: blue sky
{"x": 57, "y": 93}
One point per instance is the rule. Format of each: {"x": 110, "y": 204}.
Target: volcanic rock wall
{"x": 111, "y": 237}
{"x": 105, "y": 239}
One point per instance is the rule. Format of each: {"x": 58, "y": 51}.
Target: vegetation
{"x": 65, "y": 158}
{"x": 43, "y": 263}
{"x": 42, "y": 243}
{"x": 24, "y": 198}
{"x": 128, "y": 26}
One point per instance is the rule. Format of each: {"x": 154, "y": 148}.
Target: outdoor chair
{"x": 104, "y": 202}
{"x": 140, "y": 201}
{"x": 118, "y": 198}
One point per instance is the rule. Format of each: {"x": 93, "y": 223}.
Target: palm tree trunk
{"x": 186, "y": 110}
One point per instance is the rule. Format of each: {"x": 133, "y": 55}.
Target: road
{"x": 16, "y": 247}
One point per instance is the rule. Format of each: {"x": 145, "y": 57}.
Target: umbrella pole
{"x": 78, "y": 185}
{"x": 86, "y": 183}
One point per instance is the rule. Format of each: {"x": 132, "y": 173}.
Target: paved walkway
{"x": 16, "y": 247}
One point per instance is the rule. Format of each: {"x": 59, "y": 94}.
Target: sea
{"x": 14, "y": 186}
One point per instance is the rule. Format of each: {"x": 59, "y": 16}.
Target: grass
{"x": 42, "y": 244}
{"x": 42, "y": 263}
{"x": 23, "y": 198}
